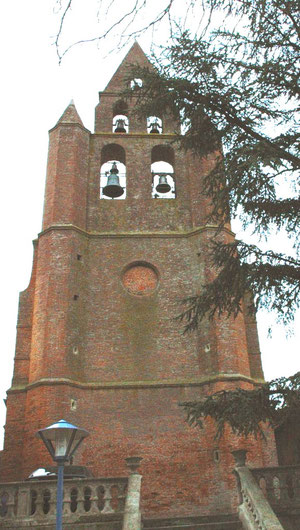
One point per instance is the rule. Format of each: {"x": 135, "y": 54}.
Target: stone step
{"x": 222, "y": 522}
{"x": 204, "y": 526}
{"x": 75, "y": 525}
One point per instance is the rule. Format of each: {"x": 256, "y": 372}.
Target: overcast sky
{"x": 35, "y": 90}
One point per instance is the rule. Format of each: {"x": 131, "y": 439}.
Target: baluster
{"x": 282, "y": 477}
{"x": 277, "y": 488}
{"x": 94, "y": 509}
{"x": 24, "y": 501}
{"x": 269, "y": 486}
{"x": 87, "y": 493}
{"x": 100, "y": 495}
{"x": 263, "y": 486}
{"x": 11, "y": 504}
{"x": 107, "y": 499}
{"x": 67, "y": 501}
{"x": 115, "y": 497}
{"x": 268, "y": 477}
{"x": 52, "y": 501}
{"x": 33, "y": 498}
{"x": 80, "y": 500}
{"x": 290, "y": 486}
{"x": 121, "y": 496}
{"x": 39, "y": 513}
{"x": 46, "y": 500}
{"x": 7, "y": 504}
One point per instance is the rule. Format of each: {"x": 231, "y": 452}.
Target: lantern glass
{"x": 61, "y": 445}
{"x": 62, "y": 439}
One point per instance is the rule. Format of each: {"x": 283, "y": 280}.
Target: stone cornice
{"x": 107, "y": 385}
{"x": 121, "y": 235}
{"x": 165, "y": 136}
{"x": 110, "y": 93}
{"x": 66, "y": 124}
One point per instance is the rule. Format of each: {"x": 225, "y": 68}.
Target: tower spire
{"x": 70, "y": 115}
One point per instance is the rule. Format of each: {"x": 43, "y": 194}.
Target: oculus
{"x": 140, "y": 279}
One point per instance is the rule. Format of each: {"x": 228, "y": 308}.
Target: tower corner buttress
{"x": 67, "y": 172}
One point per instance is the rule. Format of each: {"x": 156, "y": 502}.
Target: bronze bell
{"x": 113, "y": 188}
{"x": 163, "y": 186}
{"x": 120, "y": 126}
{"x": 154, "y": 127}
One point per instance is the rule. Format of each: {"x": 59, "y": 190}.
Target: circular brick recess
{"x": 140, "y": 280}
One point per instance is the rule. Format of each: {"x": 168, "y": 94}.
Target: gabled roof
{"x": 135, "y": 56}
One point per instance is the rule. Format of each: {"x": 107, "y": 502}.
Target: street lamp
{"x": 61, "y": 439}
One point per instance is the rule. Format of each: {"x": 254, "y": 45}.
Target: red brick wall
{"x": 179, "y": 472}
{"x": 91, "y": 336}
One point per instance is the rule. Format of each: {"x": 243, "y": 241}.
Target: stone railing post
{"x": 254, "y": 512}
{"x": 23, "y": 501}
{"x": 132, "y": 512}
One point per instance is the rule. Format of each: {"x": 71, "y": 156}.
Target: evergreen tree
{"x": 245, "y": 411}
{"x": 238, "y": 88}
{"x": 236, "y": 91}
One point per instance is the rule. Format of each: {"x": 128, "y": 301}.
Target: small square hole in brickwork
{"x": 79, "y": 257}
{"x": 216, "y": 455}
{"x": 73, "y": 404}
{"x": 76, "y": 296}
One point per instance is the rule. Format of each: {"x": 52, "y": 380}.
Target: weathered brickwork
{"x": 96, "y": 323}
{"x": 140, "y": 279}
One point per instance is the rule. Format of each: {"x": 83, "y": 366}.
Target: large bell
{"x": 113, "y": 188}
{"x": 154, "y": 127}
{"x": 120, "y": 126}
{"x": 163, "y": 186}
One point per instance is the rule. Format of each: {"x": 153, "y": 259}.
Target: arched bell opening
{"x": 120, "y": 124}
{"x": 113, "y": 172}
{"x": 154, "y": 125}
{"x": 162, "y": 170}
{"x": 120, "y": 117}
{"x": 136, "y": 84}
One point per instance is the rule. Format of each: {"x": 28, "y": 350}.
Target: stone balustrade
{"x": 254, "y": 510}
{"x": 34, "y": 501}
{"x": 280, "y": 485}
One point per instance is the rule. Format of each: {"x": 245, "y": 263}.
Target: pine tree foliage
{"x": 246, "y": 411}
{"x": 238, "y": 87}
{"x": 267, "y": 275}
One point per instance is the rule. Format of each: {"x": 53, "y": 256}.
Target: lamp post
{"x": 62, "y": 439}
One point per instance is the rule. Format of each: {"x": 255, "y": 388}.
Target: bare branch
{"x": 129, "y": 16}
{"x": 62, "y": 20}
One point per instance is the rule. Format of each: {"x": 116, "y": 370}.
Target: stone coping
{"x": 166, "y": 383}
{"x": 139, "y": 234}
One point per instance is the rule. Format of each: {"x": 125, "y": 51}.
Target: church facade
{"x": 124, "y": 239}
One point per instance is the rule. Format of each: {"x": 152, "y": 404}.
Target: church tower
{"x": 123, "y": 240}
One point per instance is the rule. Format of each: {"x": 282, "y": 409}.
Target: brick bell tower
{"x": 123, "y": 240}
